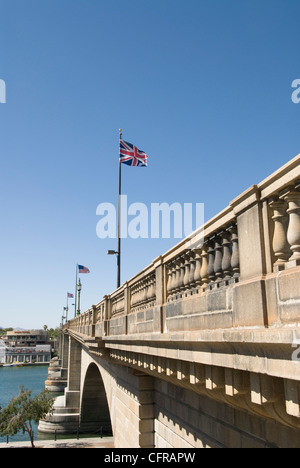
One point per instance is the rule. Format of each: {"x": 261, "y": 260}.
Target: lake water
{"x": 11, "y": 378}
{"x": 33, "y": 378}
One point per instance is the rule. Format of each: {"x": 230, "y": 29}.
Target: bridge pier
{"x": 66, "y": 411}
{"x": 72, "y": 392}
{"x": 134, "y": 409}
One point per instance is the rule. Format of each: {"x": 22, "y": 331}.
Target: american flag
{"x": 83, "y": 269}
{"x": 131, "y": 155}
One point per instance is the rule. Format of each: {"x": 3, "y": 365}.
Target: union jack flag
{"x": 131, "y": 155}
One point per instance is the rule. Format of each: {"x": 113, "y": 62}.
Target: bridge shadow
{"x": 95, "y": 416}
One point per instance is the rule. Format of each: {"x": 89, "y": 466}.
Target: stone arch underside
{"x": 94, "y": 414}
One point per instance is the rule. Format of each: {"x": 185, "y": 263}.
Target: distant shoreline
{"x": 26, "y": 364}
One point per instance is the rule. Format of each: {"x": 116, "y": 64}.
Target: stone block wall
{"x": 184, "y": 419}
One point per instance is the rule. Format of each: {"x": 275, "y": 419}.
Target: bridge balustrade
{"x": 227, "y": 279}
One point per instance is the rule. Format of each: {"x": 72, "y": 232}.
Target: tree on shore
{"x": 22, "y": 410}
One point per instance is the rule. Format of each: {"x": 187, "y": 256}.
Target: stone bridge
{"x": 202, "y": 347}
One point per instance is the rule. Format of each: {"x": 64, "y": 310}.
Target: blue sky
{"x": 203, "y": 86}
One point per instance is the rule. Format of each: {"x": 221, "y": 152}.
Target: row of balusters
{"x": 143, "y": 293}
{"x": 118, "y": 304}
{"x": 285, "y": 211}
{"x": 100, "y": 312}
{"x": 217, "y": 260}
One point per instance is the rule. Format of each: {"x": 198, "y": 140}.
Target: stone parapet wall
{"x": 240, "y": 269}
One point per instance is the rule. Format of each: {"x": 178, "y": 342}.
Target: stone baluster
{"x": 172, "y": 273}
{"x": 153, "y": 286}
{"x": 186, "y": 278}
{"x": 122, "y": 303}
{"x": 177, "y": 275}
{"x": 192, "y": 269}
{"x": 136, "y": 295}
{"x": 182, "y": 272}
{"x": 173, "y": 283}
{"x": 132, "y": 296}
{"x": 280, "y": 244}
{"x": 226, "y": 261}
{"x": 197, "y": 272}
{"x": 292, "y": 198}
{"x": 141, "y": 294}
{"x": 145, "y": 290}
{"x": 150, "y": 289}
{"x": 211, "y": 260}
{"x": 235, "y": 258}
{"x": 218, "y": 251}
{"x": 169, "y": 282}
{"x": 204, "y": 265}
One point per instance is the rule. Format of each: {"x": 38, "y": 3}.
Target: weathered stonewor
{"x": 200, "y": 349}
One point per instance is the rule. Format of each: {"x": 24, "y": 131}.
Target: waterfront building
{"x": 24, "y": 355}
{"x": 28, "y": 346}
{"x": 29, "y": 338}
{"x": 2, "y": 352}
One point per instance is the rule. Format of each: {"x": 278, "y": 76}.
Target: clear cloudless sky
{"x": 202, "y": 86}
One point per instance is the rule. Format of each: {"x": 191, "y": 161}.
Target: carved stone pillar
{"x": 151, "y": 288}
{"x": 144, "y": 291}
{"x": 192, "y": 269}
{"x": 281, "y": 246}
{"x": 170, "y": 276}
{"x": 235, "y": 258}
{"x": 177, "y": 277}
{"x": 293, "y": 236}
{"x": 173, "y": 281}
{"x": 204, "y": 265}
{"x": 211, "y": 261}
{"x": 226, "y": 260}
{"x": 197, "y": 272}
{"x": 186, "y": 278}
{"x": 218, "y": 250}
{"x": 182, "y": 272}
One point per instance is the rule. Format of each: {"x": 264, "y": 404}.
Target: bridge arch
{"x": 94, "y": 408}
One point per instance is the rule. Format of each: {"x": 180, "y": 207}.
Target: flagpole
{"x": 67, "y": 309}
{"x": 119, "y": 223}
{"x": 76, "y": 289}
